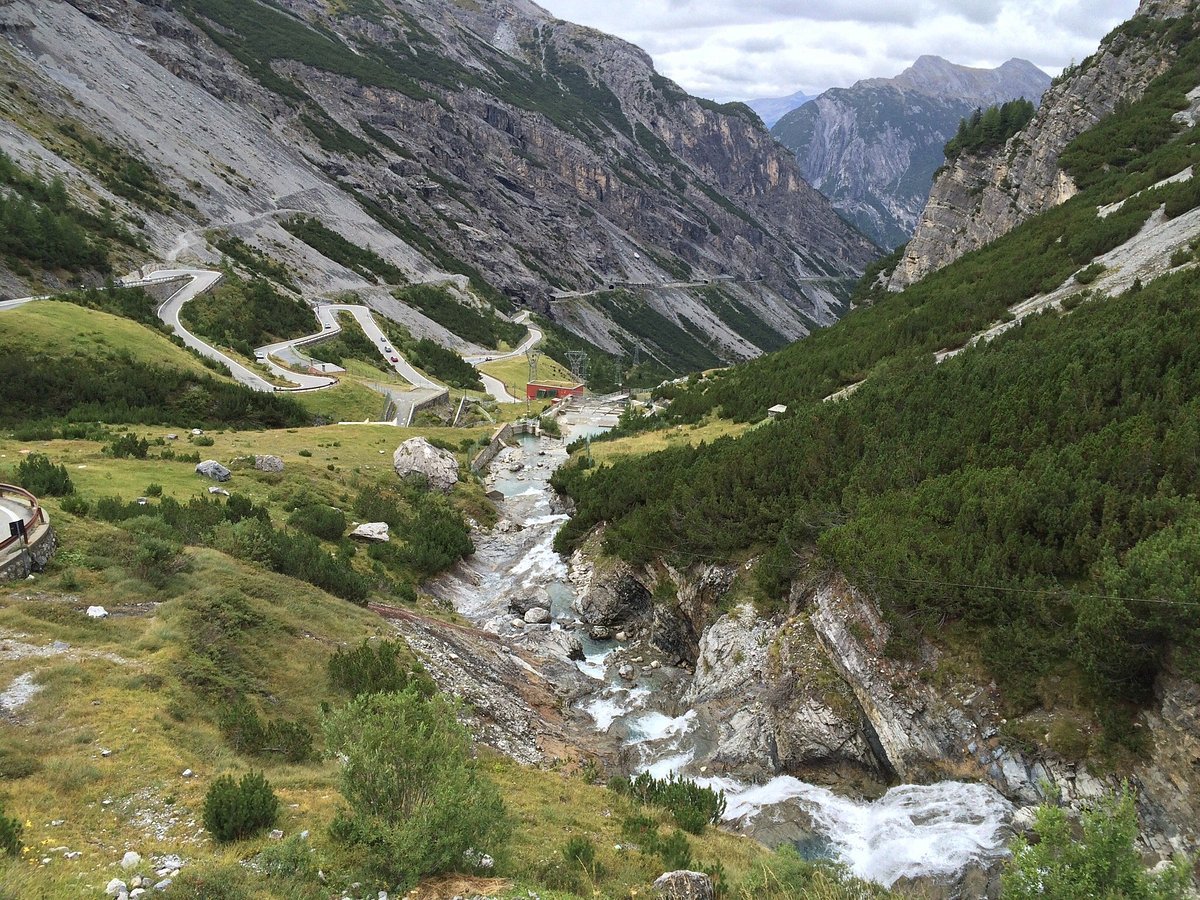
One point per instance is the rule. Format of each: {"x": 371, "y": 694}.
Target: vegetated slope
{"x": 222, "y": 654}
{"x": 64, "y": 361}
{"x": 1036, "y": 494}
{"x": 873, "y": 148}
{"x": 523, "y": 153}
{"x": 978, "y": 198}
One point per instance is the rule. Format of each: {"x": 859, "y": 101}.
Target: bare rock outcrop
{"x": 614, "y": 597}
{"x": 683, "y": 885}
{"x": 775, "y": 703}
{"x": 977, "y": 199}
{"x": 418, "y": 457}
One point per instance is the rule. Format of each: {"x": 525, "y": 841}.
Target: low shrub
{"x": 320, "y": 521}
{"x": 691, "y": 805}
{"x": 38, "y": 475}
{"x": 375, "y": 668}
{"x": 418, "y": 798}
{"x": 129, "y": 446}
{"x": 239, "y": 809}
{"x": 246, "y": 733}
{"x": 76, "y": 505}
{"x": 10, "y": 834}
{"x": 579, "y": 852}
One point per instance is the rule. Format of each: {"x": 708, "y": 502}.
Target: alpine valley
{"x": 442, "y": 458}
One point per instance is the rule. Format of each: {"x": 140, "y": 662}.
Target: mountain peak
{"x": 940, "y": 77}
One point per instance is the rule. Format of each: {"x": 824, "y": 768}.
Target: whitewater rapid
{"x": 912, "y": 831}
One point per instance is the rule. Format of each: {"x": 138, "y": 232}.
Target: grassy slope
{"x": 124, "y": 687}
{"x": 514, "y": 373}
{"x": 59, "y": 329}
{"x": 653, "y": 441}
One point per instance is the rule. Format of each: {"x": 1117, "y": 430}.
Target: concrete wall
{"x": 499, "y": 441}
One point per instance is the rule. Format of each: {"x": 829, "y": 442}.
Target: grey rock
{"x": 525, "y": 602}
{"x": 132, "y": 859}
{"x": 115, "y": 887}
{"x": 417, "y": 456}
{"x": 684, "y": 885}
{"x": 376, "y": 532}
{"x": 268, "y": 463}
{"x": 162, "y": 885}
{"x": 276, "y": 834}
{"x": 979, "y": 198}
{"x": 613, "y": 598}
{"x": 210, "y": 468}
{"x": 873, "y": 148}
{"x": 537, "y": 615}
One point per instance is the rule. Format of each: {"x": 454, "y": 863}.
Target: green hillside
{"x": 1033, "y": 498}
{"x": 63, "y": 361}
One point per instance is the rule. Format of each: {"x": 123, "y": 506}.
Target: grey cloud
{"x": 735, "y": 49}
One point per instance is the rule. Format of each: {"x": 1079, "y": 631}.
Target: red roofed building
{"x": 537, "y": 390}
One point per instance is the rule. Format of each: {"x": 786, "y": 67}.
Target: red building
{"x": 537, "y": 390}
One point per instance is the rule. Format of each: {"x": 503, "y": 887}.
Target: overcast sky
{"x": 743, "y": 49}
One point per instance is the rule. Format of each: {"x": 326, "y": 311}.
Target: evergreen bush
{"x": 10, "y": 834}
{"x": 38, "y": 475}
{"x": 234, "y": 810}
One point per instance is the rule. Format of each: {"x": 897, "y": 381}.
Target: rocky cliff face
{"x": 979, "y": 198}
{"x": 812, "y": 693}
{"x": 873, "y": 148}
{"x": 490, "y": 140}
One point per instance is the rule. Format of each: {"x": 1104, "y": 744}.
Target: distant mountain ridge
{"x": 874, "y": 147}
{"x": 939, "y": 77}
{"x": 772, "y": 109}
{"x": 490, "y": 144}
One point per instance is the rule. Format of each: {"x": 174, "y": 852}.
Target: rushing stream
{"x": 912, "y": 831}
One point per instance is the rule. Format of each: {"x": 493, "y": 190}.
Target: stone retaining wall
{"x": 30, "y": 559}
{"x": 499, "y": 441}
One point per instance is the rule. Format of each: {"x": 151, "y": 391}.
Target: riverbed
{"x": 932, "y": 831}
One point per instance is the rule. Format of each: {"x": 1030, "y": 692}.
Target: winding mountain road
{"x": 494, "y": 386}
{"x": 197, "y": 281}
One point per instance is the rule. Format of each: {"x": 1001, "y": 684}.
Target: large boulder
{"x": 523, "y": 603}
{"x": 268, "y": 463}
{"x": 537, "y": 615}
{"x": 417, "y": 456}
{"x": 372, "y": 531}
{"x": 210, "y": 468}
{"x": 613, "y": 599}
{"x": 684, "y": 885}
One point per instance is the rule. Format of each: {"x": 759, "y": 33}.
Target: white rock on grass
{"x": 372, "y": 531}
{"x": 210, "y": 468}
{"x": 116, "y": 886}
{"x": 132, "y": 859}
{"x": 265, "y": 462}
{"x": 417, "y": 456}
{"x": 97, "y": 612}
